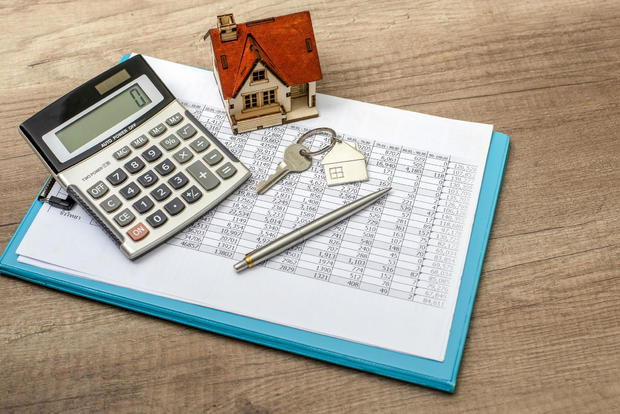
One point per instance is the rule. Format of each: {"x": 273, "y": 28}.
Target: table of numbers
{"x": 403, "y": 246}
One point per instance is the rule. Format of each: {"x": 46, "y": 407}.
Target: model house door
{"x": 299, "y": 90}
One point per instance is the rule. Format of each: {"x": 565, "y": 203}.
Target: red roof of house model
{"x": 285, "y": 44}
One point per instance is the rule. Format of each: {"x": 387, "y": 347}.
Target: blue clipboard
{"x": 440, "y": 375}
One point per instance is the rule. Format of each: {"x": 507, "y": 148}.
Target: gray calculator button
{"x": 226, "y": 171}
{"x": 110, "y": 204}
{"x": 174, "y": 206}
{"x": 201, "y": 173}
{"x": 165, "y": 167}
{"x": 117, "y": 177}
{"x": 122, "y": 153}
{"x": 143, "y": 205}
{"x": 191, "y": 194}
{"x": 135, "y": 165}
{"x": 157, "y": 219}
{"x": 200, "y": 144}
{"x": 129, "y": 191}
{"x": 170, "y": 142}
{"x": 183, "y": 156}
{"x": 157, "y": 130}
{"x": 174, "y": 119}
{"x": 213, "y": 157}
{"x": 124, "y": 217}
{"x": 178, "y": 180}
{"x": 98, "y": 190}
{"x": 151, "y": 154}
{"x": 140, "y": 141}
{"x": 148, "y": 179}
{"x": 161, "y": 192}
{"x": 187, "y": 131}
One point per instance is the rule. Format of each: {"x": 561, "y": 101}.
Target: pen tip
{"x": 242, "y": 265}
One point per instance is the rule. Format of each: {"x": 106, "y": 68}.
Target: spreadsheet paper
{"x": 388, "y": 276}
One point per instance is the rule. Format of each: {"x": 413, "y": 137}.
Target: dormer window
{"x": 258, "y": 75}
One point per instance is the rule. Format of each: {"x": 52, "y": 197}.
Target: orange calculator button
{"x": 138, "y": 232}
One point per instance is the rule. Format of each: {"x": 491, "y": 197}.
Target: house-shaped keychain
{"x": 345, "y": 164}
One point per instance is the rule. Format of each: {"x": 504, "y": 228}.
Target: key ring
{"x": 314, "y": 131}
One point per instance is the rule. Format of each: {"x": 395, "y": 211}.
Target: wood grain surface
{"x": 545, "y": 331}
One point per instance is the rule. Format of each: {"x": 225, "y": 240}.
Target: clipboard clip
{"x": 62, "y": 203}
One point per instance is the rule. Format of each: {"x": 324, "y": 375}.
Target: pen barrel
{"x": 303, "y": 233}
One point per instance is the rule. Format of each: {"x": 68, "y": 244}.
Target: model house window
{"x": 258, "y": 75}
{"x": 269, "y": 97}
{"x": 250, "y": 100}
{"x": 336, "y": 172}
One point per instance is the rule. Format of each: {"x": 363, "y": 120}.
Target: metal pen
{"x": 305, "y": 232}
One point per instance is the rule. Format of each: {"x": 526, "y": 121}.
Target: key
{"x": 293, "y": 162}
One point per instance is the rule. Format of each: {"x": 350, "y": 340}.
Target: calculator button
{"x": 213, "y": 157}
{"x": 165, "y": 167}
{"x": 174, "y": 119}
{"x": 130, "y": 191}
{"x": 138, "y": 232}
{"x": 175, "y": 206}
{"x": 202, "y": 174}
{"x": 110, "y": 204}
{"x": 226, "y": 171}
{"x": 117, "y": 177}
{"x": 151, "y": 154}
{"x": 98, "y": 190}
{"x": 200, "y": 144}
{"x": 157, "y": 219}
{"x": 161, "y": 192}
{"x": 191, "y": 194}
{"x": 140, "y": 141}
{"x": 124, "y": 217}
{"x": 135, "y": 165}
{"x": 157, "y": 130}
{"x": 183, "y": 156}
{"x": 187, "y": 131}
{"x": 122, "y": 153}
{"x": 170, "y": 142}
{"x": 148, "y": 179}
{"x": 143, "y": 205}
{"x": 178, "y": 180}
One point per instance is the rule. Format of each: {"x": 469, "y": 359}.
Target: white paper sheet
{"x": 387, "y": 277}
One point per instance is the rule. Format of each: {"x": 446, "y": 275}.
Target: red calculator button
{"x": 138, "y": 232}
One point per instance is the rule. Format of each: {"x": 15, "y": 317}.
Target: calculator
{"x": 127, "y": 151}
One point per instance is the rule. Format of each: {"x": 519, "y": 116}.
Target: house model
{"x": 266, "y": 70}
{"x": 345, "y": 164}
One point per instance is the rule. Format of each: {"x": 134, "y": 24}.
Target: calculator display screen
{"x": 91, "y": 125}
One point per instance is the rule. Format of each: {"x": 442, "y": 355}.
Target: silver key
{"x": 293, "y": 162}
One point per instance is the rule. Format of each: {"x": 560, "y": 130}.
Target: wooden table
{"x": 545, "y": 332}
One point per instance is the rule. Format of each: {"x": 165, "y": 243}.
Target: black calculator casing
{"x": 91, "y": 168}
{"x": 82, "y": 98}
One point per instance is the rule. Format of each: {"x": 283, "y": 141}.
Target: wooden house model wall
{"x": 266, "y": 70}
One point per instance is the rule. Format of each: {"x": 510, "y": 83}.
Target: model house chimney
{"x": 227, "y": 27}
